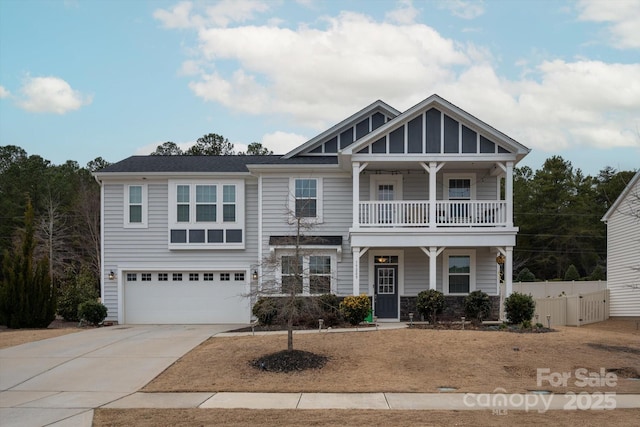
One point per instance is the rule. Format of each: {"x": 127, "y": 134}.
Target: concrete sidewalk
{"x": 377, "y": 401}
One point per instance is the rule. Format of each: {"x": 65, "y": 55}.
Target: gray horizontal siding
{"x": 149, "y": 246}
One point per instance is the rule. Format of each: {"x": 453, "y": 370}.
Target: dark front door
{"x": 386, "y": 288}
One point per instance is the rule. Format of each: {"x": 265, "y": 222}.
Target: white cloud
{"x": 282, "y": 142}
{"x": 219, "y": 14}
{"x": 623, "y": 17}
{"x": 50, "y": 95}
{"x": 317, "y": 75}
{"x": 348, "y": 61}
{"x": 585, "y": 103}
{"x": 405, "y": 14}
{"x": 4, "y": 93}
{"x": 465, "y": 9}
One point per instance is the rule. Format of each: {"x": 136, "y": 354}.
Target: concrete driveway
{"x": 60, "y": 380}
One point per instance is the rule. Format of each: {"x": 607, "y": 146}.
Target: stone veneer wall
{"x": 454, "y": 308}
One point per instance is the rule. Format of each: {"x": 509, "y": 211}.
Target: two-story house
{"x": 397, "y": 203}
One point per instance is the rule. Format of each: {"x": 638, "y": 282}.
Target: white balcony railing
{"x": 448, "y": 213}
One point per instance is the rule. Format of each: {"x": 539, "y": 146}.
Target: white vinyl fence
{"x": 573, "y": 310}
{"x": 555, "y": 289}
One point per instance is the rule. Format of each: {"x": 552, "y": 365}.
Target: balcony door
{"x": 386, "y": 188}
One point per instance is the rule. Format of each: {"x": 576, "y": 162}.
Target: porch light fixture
{"x": 382, "y": 260}
{"x": 500, "y": 259}
{"x": 254, "y": 276}
{"x": 112, "y": 275}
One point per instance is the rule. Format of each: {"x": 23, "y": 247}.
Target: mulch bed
{"x": 289, "y": 361}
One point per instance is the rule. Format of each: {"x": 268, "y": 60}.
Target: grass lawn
{"x": 410, "y": 360}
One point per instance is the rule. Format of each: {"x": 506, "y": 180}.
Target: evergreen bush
{"x": 76, "y": 289}
{"x": 525, "y": 275}
{"x": 519, "y": 307}
{"x": 27, "y": 296}
{"x": 430, "y": 303}
{"x": 477, "y": 306}
{"x": 265, "y": 310}
{"x": 92, "y": 312}
{"x": 571, "y": 273}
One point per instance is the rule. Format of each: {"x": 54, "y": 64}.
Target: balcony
{"x": 448, "y": 213}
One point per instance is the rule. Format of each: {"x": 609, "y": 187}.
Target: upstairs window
{"x": 229, "y": 203}
{"x": 306, "y": 200}
{"x": 206, "y": 203}
{"x": 183, "y": 205}
{"x": 135, "y": 206}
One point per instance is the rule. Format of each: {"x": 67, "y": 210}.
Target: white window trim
{"x": 305, "y": 269}
{"x": 471, "y": 253}
{"x": 319, "y": 218}
{"x": 145, "y": 209}
{"x": 219, "y": 224}
{"x": 376, "y": 180}
{"x": 447, "y": 176}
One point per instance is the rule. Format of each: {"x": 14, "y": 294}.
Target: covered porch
{"x": 394, "y": 275}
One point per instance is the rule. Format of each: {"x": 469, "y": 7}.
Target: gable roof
{"x": 349, "y": 121}
{"x": 435, "y": 101}
{"x": 223, "y": 164}
{"x": 621, "y": 197}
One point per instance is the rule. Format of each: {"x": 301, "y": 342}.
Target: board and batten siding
{"x": 623, "y": 256}
{"x": 336, "y": 214}
{"x": 148, "y": 247}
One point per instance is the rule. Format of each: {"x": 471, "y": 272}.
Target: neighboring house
{"x": 400, "y": 203}
{"x": 623, "y": 251}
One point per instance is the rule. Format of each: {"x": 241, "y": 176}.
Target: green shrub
{"x": 477, "y": 306}
{"x": 76, "y": 289}
{"x": 526, "y": 324}
{"x": 598, "y": 273}
{"x": 355, "y": 308}
{"x": 329, "y": 309}
{"x": 571, "y": 273}
{"x": 265, "y": 310}
{"x": 430, "y": 303}
{"x": 519, "y": 307}
{"x": 92, "y": 312}
{"x": 525, "y": 275}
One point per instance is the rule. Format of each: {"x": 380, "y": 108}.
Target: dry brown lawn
{"x": 341, "y": 418}
{"x": 11, "y": 337}
{"x": 413, "y": 360}
{"x": 403, "y": 360}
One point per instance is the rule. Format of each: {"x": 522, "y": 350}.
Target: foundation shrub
{"x": 430, "y": 303}
{"x": 477, "y": 306}
{"x": 519, "y": 308}
{"x": 355, "y": 308}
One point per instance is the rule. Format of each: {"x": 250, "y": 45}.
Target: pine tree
{"x": 27, "y": 297}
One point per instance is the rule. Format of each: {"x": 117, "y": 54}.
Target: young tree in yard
{"x": 288, "y": 273}
{"x": 27, "y": 296}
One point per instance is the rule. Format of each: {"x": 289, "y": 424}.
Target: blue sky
{"x": 86, "y": 79}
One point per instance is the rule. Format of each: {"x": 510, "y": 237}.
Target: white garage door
{"x": 186, "y": 297}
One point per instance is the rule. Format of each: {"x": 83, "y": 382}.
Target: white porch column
{"x": 356, "y": 271}
{"x": 433, "y": 169}
{"x": 432, "y": 253}
{"x": 433, "y": 256}
{"x": 509, "y": 193}
{"x": 508, "y": 271}
{"x": 356, "y": 196}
